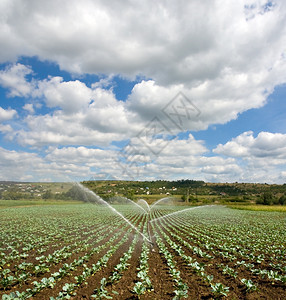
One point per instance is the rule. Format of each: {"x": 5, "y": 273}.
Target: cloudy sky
{"x": 143, "y": 90}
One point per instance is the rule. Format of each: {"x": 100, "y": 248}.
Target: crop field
{"x": 89, "y": 251}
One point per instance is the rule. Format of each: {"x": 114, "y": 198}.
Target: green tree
{"x": 129, "y": 194}
{"x": 282, "y": 200}
{"x": 76, "y": 193}
{"x": 184, "y": 198}
{"x": 13, "y": 195}
{"x": 47, "y": 195}
{"x": 267, "y": 198}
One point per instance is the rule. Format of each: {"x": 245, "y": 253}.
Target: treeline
{"x": 231, "y": 190}
{"x": 268, "y": 198}
{"x": 47, "y": 195}
{"x": 183, "y": 183}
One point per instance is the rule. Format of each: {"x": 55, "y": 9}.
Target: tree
{"x": 129, "y": 194}
{"x": 266, "y": 198}
{"x": 76, "y": 193}
{"x": 282, "y": 200}
{"x": 47, "y": 195}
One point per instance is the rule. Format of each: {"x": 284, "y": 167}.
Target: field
{"x": 25, "y": 203}
{"x": 88, "y": 251}
{"x": 257, "y": 207}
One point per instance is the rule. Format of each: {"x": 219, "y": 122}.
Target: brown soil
{"x": 163, "y": 285}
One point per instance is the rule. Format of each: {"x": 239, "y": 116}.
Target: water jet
{"x": 97, "y": 198}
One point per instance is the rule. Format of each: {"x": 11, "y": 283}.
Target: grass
{"x": 257, "y": 207}
{"x": 55, "y": 187}
{"x": 23, "y": 203}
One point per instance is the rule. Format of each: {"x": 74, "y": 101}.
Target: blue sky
{"x": 111, "y": 96}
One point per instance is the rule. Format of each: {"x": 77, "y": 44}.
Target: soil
{"x": 163, "y": 285}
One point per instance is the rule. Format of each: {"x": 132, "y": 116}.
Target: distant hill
{"x": 190, "y": 190}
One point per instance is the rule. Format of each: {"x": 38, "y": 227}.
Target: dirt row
{"x": 266, "y": 288}
{"x": 163, "y": 286}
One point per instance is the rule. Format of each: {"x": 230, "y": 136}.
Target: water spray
{"x": 142, "y": 201}
{"x": 94, "y": 195}
{"x": 178, "y": 212}
{"x": 160, "y": 200}
{"x": 134, "y": 204}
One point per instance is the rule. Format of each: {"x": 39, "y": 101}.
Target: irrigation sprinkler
{"x": 98, "y": 199}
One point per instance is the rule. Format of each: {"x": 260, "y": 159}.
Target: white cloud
{"x": 14, "y": 78}
{"x": 218, "y": 101}
{"x": 71, "y": 96}
{"x": 174, "y": 46}
{"x": 5, "y": 128}
{"x": 261, "y": 158}
{"x": 225, "y": 58}
{"x": 225, "y": 65}
{"x": 78, "y": 155}
{"x": 180, "y": 159}
{"x": 231, "y": 169}
{"x": 265, "y": 145}
{"x": 7, "y": 114}
{"x": 61, "y": 129}
{"x": 21, "y": 166}
{"x": 94, "y": 112}
{"x": 29, "y": 107}
{"x": 17, "y": 165}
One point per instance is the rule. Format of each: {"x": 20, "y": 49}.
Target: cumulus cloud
{"x": 94, "y": 111}
{"x": 261, "y": 158}
{"x": 184, "y": 159}
{"x": 225, "y": 65}
{"x": 177, "y": 159}
{"x": 17, "y": 165}
{"x": 59, "y": 129}
{"x": 265, "y": 145}
{"x": 14, "y": 79}
{"x": 174, "y": 46}
{"x": 71, "y": 96}
{"x": 6, "y": 129}
{"x": 201, "y": 64}
{"x": 23, "y": 166}
{"x": 29, "y": 107}
{"x": 208, "y": 103}
{"x": 135, "y": 161}
{"x": 7, "y": 114}
{"x": 80, "y": 154}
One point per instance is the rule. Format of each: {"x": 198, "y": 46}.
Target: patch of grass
{"x": 55, "y": 187}
{"x": 257, "y": 207}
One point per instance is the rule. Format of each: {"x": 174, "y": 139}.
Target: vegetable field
{"x": 86, "y": 251}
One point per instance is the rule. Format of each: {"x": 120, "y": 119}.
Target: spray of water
{"x": 100, "y": 200}
{"x": 161, "y": 200}
{"x": 143, "y": 204}
{"x": 134, "y": 203}
{"x": 180, "y": 211}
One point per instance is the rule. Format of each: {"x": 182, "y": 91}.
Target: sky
{"x": 143, "y": 90}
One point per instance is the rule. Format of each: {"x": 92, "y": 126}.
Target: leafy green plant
{"x": 6, "y": 279}
{"x": 139, "y": 288}
{"x": 15, "y": 296}
{"x": 249, "y": 284}
{"x": 101, "y": 292}
{"x": 219, "y": 289}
